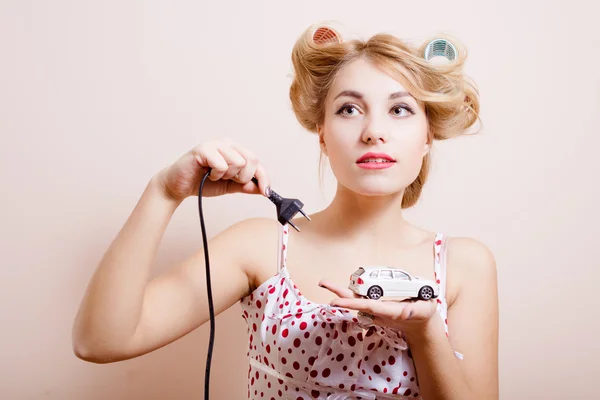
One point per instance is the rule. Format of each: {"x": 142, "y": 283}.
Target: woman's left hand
{"x": 409, "y": 316}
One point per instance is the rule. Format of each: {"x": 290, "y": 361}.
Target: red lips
{"x": 375, "y": 155}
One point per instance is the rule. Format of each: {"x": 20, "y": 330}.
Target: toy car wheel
{"x": 374, "y": 292}
{"x": 425, "y": 293}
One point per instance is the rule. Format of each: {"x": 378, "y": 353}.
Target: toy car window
{"x": 400, "y": 275}
{"x": 374, "y": 274}
{"x": 386, "y": 274}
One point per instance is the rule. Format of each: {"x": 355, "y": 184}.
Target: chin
{"x": 373, "y": 188}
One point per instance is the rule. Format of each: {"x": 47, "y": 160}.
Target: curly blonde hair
{"x": 450, "y": 99}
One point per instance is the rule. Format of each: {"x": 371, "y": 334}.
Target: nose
{"x": 374, "y": 132}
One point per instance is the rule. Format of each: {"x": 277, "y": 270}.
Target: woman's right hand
{"x": 232, "y": 168}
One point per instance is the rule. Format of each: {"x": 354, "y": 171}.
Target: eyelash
{"x": 404, "y": 106}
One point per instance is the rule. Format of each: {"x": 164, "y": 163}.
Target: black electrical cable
{"x": 286, "y": 210}
{"x": 208, "y": 289}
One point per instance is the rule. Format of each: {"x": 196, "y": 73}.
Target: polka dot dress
{"x": 302, "y": 350}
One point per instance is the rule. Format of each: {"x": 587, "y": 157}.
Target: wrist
{"x": 157, "y": 189}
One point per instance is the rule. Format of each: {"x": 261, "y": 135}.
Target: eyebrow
{"x": 353, "y": 93}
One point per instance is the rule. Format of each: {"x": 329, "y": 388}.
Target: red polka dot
{"x": 303, "y": 325}
{"x": 284, "y": 333}
{"x": 326, "y": 372}
{"x": 377, "y": 369}
{"x": 297, "y": 342}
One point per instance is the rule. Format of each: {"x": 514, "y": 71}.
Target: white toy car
{"x": 375, "y": 282}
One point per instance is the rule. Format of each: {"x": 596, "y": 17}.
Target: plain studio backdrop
{"x": 97, "y": 96}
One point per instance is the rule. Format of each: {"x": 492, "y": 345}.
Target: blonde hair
{"x": 450, "y": 99}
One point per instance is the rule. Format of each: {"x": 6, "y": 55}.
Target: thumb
{"x": 248, "y": 188}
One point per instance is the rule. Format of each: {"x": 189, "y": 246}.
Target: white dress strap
{"x": 284, "y": 231}
{"x": 440, "y": 253}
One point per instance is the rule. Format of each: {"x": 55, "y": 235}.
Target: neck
{"x": 356, "y": 216}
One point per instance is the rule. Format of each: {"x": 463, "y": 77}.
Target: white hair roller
{"x": 440, "y": 48}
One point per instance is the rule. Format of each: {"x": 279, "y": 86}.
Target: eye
{"x": 346, "y": 107}
{"x": 400, "y": 110}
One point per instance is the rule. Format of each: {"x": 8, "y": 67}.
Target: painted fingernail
{"x": 267, "y": 191}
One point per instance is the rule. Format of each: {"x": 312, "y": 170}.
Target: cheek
{"x": 340, "y": 139}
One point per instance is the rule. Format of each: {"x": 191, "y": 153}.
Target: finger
{"x": 234, "y": 159}
{"x": 263, "y": 179}
{"x": 247, "y": 172}
{"x": 251, "y": 188}
{"x": 374, "y": 307}
{"x": 213, "y": 159}
{"x": 339, "y": 290}
{"x": 248, "y": 188}
{"x": 418, "y": 310}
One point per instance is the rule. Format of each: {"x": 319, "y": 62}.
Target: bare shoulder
{"x": 250, "y": 227}
{"x": 253, "y": 243}
{"x": 470, "y": 262}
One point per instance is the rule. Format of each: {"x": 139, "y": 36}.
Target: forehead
{"x": 365, "y": 77}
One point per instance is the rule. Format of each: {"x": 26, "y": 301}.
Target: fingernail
{"x": 267, "y": 191}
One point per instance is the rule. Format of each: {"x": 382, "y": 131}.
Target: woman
{"x": 377, "y": 107}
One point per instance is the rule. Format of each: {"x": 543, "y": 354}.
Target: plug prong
{"x": 294, "y": 226}
{"x": 305, "y": 216}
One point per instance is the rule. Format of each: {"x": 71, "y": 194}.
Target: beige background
{"x": 95, "y": 97}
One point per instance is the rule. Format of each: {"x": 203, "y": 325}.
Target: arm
{"x": 122, "y": 315}
{"x": 473, "y": 331}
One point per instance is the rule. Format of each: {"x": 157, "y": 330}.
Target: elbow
{"x": 93, "y": 354}
{"x": 86, "y": 354}
{"x": 90, "y": 349}
{"x": 96, "y": 355}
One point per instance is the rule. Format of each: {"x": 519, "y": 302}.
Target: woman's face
{"x": 374, "y": 132}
